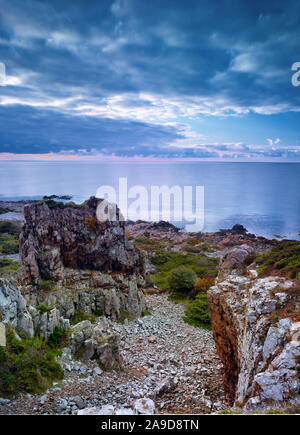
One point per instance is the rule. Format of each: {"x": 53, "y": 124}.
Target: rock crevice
{"x": 257, "y": 341}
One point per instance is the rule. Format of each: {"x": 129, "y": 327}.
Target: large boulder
{"x": 233, "y": 262}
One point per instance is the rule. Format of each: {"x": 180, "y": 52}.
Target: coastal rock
{"x": 254, "y": 335}
{"x": 89, "y": 265}
{"x": 89, "y": 342}
{"x": 234, "y": 260}
{"x": 13, "y": 308}
{"x": 27, "y": 319}
{"x": 57, "y": 235}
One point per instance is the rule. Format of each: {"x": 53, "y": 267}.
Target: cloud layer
{"x": 140, "y": 78}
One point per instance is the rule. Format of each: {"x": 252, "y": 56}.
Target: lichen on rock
{"x": 256, "y": 334}
{"x": 87, "y": 264}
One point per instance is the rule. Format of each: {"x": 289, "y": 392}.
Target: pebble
{"x": 165, "y": 360}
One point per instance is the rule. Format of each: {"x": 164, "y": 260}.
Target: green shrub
{"x": 182, "y": 279}
{"x": 10, "y": 227}
{"x": 197, "y": 313}
{"x": 43, "y": 308}
{"x": 8, "y": 268}
{"x": 27, "y": 365}
{"x": 9, "y": 244}
{"x": 166, "y": 262}
{"x": 4, "y": 210}
{"x": 57, "y": 338}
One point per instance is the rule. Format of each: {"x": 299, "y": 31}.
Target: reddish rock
{"x": 56, "y": 236}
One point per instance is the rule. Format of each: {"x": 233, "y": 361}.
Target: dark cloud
{"x": 110, "y": 73}
{"x": 28, "y": 130}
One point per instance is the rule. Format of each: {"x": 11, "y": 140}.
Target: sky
{"x": 150, "y": 80}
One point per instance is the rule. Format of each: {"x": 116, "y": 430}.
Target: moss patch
{"x": 80, "y": 317}
{"x": 44, "y": 308}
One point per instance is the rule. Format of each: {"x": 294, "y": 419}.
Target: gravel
{"x": 165, "y": 359}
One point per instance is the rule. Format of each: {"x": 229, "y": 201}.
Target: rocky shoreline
{"x": 72, "y": 266}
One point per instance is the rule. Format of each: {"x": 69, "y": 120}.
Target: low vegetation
{"x": 149, "y": 245}
{"x": 9, "y": 244}
{"x": 4, "y": 210}
{"x": 29, "y": 365}
{"x": 166, "y": 262}
{"x": 80, "y": 317}
{"x": 283, "y": 260}
{"x": 9, "y": 237}
{"x": 10, "y": 227}
{"x": 197, "y": 313}
{"x": 201, "y": 285}
{"x": 187, "y": 277}
{"x": 182, "y": 279}
{"x": 43, "y": 308}
{"x": 8, "y": 268}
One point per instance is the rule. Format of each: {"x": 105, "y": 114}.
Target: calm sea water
{"x": 264, "y": 197}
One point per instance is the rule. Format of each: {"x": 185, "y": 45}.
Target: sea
{"x": 263, "y": 197}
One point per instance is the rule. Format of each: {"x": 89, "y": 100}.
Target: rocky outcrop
{"x": 91, "y": 292}
{"x": 234, "y": 261}
{"x": 85, "y": 341}
{"x": 26, "y": 319}
{"x": 89, "y": 342}
{"x": 56, "y": 236}
{"x": 256, "y": 333}
{"x": 161, "y": 229}
{"x": 75, "y": 262}
{"x": 13, "y": 308}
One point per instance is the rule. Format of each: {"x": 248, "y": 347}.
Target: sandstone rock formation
{"x": 256, "y": 334}
{"x": 71, "y": 260}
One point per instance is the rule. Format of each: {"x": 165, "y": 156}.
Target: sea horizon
{"x": 261, "y": 196}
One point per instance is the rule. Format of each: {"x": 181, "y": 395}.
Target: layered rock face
{"x": 26, "y": 319}
{"x": 57, "y": 236}
{"x": 256, "y": 333}
{"x": 85, "y": 340}
{"x": 72, "y": 260}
